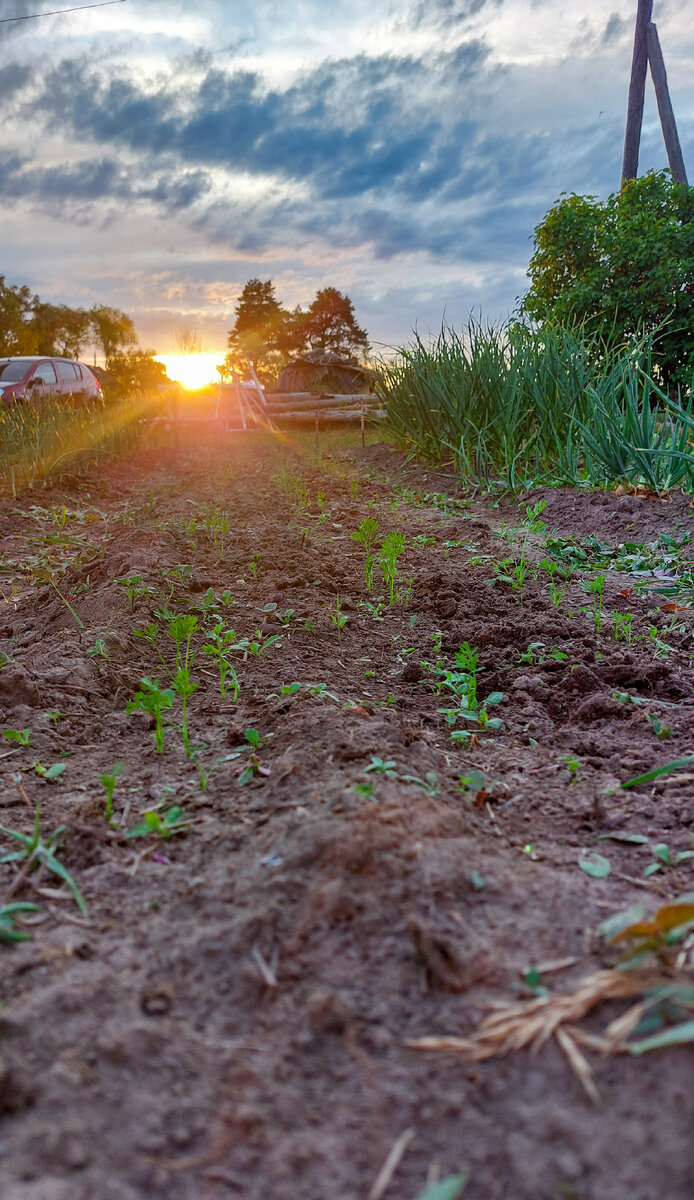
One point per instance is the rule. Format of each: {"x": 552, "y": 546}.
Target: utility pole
{"x": 647, "y": 51}
{"x": 637, "y": 92}
{"x": 667, "y": 116}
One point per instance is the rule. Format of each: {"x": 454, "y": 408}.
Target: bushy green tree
{"x": 134, "y": 373}
{"x": 623, "y": 266}
{"x": 268, "y": 334}
{"x": 17, "y": 333}
{"x": 330, "y": 324}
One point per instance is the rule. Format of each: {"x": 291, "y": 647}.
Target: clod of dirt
{"x": 157, "y": 1001}
{"x": 16, "y": 1086}
{"x": 442, "y": 958}
{"x": 413, "y": 673}
{"x": 17, "y": 686}
{"x": 328, "y": 1011}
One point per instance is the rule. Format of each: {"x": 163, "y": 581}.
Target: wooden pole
{"x": 667, "y": 116}
{"x": 637, "y": 91}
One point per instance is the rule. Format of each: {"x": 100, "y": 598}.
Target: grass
{"x": 61, "y": 435}
{"x": 514, "y": 406}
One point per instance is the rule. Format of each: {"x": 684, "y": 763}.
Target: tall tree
{"x": 17, "y": 333}
{"x": 624, "y": 266}
{"x": 113, "y": 330}
{"x": 257, "y": 333}
{"x": 60, "y": 329}
{"x": 330, "y": 324}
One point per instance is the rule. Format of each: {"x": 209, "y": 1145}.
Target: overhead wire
{"x": 58, "y": 11}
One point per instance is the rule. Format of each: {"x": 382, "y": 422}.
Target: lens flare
{"x": 192, "y": 371}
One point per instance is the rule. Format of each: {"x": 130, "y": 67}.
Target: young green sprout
{"x": 23, "y": 736}
{"x": 185, "y": 686}
{"x": 153, "y": 700}
{"x": 173, "y": 821}
{"x": 35, "y": 852}
{"x": 365, "y": 534}
{"x": 109, "y": 780}
{"x": 391, "y": 548}
{"x": 338, "y": 618}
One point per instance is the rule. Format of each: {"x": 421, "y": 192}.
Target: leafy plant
{"x": 337, "y": 617}
{"x": 185, "y": 686}
{"x": 221, "y": 643}
{"x": 382, "y": 766}
{"x": 23, "y": 736}
{"x": 34, "y": 852}
{"x": 365, "y": 534}
{"x": 98, "y": 650}
{"x": 49, "y": 773}
{"x": 109, "y": 779}
{"x": 665, "y": 858}
{"x": 154, "y": 700}
{"x": 392, "y": 547}
{"x": 174, "y": 821}
{"x": 622, "y": 626}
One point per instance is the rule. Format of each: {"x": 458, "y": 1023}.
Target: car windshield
{"x": 14, "y": 370}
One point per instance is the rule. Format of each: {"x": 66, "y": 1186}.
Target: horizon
{"x": 161, "y": 159}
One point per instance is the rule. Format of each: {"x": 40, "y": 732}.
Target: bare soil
{"x": 231, "y": 1017}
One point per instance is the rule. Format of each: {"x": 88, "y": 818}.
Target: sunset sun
{"x": 192, "y": 371}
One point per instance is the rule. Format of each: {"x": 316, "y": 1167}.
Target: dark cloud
{"x": 13, "y": 78}
{"x": 348, "y": 128}
{"x": 68, "y": 187}
{"x": 448, "y": 15}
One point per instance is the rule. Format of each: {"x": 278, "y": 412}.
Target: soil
{"x": 231, "y": 1016}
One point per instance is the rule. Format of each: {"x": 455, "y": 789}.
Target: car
{"x": 37, "y": 379}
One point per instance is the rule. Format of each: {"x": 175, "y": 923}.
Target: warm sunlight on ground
{"x": 192, "y": 370}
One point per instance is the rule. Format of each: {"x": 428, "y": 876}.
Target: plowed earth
{"x": 231, "y": 1017}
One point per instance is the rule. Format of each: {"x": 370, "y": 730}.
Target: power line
{"x": 56, "y": 11}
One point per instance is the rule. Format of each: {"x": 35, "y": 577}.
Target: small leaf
{"x": 675, "y": 1036}
{"x": 658, "y": 771}
{"x": 636, "y": 839}
{"x": 447, "y": 1189}
{"x": 662, "y": 851}
{"x": 595, "y": 865}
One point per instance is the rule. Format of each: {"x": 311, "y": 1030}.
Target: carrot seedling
{"x": 391, "y": 549}
{"x": 109, "y": 780}
{"x": 153, "y": 700}
{"x": 338, "y": 618}
{"x": 185, "y": 686}
{"x": 365, "y": 534}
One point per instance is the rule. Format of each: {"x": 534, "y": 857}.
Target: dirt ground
{"x": 230, "y": 1018}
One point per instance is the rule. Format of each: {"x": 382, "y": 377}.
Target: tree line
{"x": 29, "y": 325}
{"x": 269, "y": 335}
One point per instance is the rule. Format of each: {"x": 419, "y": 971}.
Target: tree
{"x": 330, "y": 324}
{"x": 258, "y": 329}
{"x": 624, "y": 267}
{"x": 135, "y": 373}
{"x": 188, "y": 341}
{"x": 113, "y": 331}
{"x": 60, "y": 329}
{"x": 17, "y": 334}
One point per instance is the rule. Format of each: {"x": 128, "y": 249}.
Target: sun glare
{"x": 192, "y": 371}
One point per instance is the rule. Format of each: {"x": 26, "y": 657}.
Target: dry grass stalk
{"x": 531, "y": 1024}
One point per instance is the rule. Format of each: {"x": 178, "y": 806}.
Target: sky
{"x": 157, "y": 154}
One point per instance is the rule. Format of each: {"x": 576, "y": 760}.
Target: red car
{"x": 39, "y": 379}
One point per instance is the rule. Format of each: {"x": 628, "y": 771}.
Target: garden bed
{"x": 230, "y": 1017}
